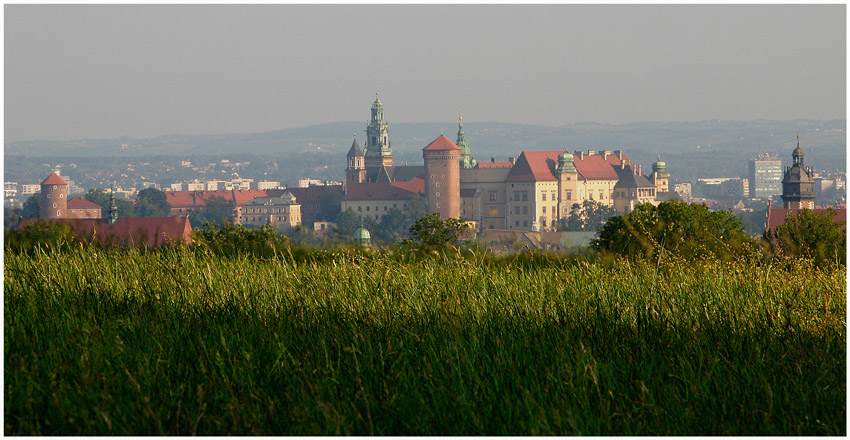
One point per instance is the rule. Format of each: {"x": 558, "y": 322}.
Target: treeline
{"x": 688, "y": 231}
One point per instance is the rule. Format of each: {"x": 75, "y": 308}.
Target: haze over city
{"x": 101, "y": 71}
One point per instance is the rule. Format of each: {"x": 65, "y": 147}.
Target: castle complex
{"x": 533, "y": 193}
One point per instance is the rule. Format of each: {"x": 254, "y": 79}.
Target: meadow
{"x": 186, "y": 342}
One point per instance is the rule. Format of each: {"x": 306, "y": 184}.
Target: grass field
{"x": 180, "y": 342}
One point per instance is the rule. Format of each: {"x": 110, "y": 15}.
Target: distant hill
{"x": 705, "y": 147}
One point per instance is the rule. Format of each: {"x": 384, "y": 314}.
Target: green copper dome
{"x": 361, "y": 234}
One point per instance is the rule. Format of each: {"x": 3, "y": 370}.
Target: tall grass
{"x": 176, "y": 342}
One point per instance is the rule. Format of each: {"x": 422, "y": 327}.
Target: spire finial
{"x": 798, "y": 139}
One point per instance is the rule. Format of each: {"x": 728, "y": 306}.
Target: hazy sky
{"x": 110, "y": 70}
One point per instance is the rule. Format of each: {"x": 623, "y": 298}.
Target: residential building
{"x": 275, "y": 211}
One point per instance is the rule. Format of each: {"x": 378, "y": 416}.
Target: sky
{"x": 105, "y": 71}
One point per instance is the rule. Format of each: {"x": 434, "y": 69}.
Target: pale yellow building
{"x": 275, "y": 211}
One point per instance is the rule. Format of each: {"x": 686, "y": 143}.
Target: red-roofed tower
{"x": 356, "y": 171}
{"x": 54, "y": 197}
{"x": 442, "y": 177}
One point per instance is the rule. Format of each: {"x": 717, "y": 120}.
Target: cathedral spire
{"x": 466, "y": 160}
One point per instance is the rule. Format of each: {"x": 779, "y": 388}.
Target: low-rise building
{"x": 276, "y": 211}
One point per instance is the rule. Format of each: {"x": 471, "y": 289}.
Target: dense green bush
{"x": 686, "y": 230}
{"x": 811, "y": 235}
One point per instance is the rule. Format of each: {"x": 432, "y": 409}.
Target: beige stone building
{"x": 275, "y": 211}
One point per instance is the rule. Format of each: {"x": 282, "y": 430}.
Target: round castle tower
{"x": 442, "y": 177}
{"x": 54, "y": 197}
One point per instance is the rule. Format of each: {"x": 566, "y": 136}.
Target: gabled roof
{"x": 311, "y": 194}
{"x": 81, "y": 202}
{"x": 195, "y": 199}
{"x": 54, "y": 179}
{"x": 628, "y": 179}
{"x": 384, "y": 191}
{"x": 383, "y": 175}
{"x": 406, "y": 172}
{"x": 355, "y": 150}
{"x": 415, "y": 185}
{"x": 442, "y": 143}
{"x": 533, "y": 166}
{"x": 146, "y": 231}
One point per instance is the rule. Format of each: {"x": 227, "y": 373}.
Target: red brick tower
{"x": 54, "y": 197}
{"x": 442, "y": 177}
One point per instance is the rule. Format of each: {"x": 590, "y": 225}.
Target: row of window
{"x": 368, "y": 208}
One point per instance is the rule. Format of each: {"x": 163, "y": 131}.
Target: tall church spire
{"x": 466, "y": 160}
{"x": 378, "y": 149}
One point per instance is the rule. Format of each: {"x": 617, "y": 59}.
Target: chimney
{"x": 638, "y": 170}
{"x": 591, "y": 152}
{"x": 605, "y": 154}
{"x": 492, "y": 160}
{"x": 512, "y": 160}
{"x": 580, "y": 154}
{"x": 619, "y": 154}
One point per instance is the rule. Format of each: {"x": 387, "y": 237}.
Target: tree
{"x": 688, "y": 230}
{"x": 152, "y": 202}
{"x": 218, "y": 210}
{"x": 391, "y": 226}
{"x": 347, "y": 222}
{"x": 31, "y": 207}
{"x": 417, "y": 207}
{"x": 432, "y": 231}
{"x": 812, "y": 235}
{"x": 589, "y": 216}
{"x": 125, "y": 207}
{"x": 330, "y": 205}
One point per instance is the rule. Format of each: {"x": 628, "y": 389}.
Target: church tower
{"x": 54, "y": 197}
{"x": 466, "y": 160}
{"x": 798, "y": 186}
{"x": 378, "y": 149}
{"x": 356, "y": 171}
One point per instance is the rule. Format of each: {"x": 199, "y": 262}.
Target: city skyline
{"x": 104, "y": 71}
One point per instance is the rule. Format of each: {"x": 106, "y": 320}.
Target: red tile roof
{"x": 776, "y": 217}
{"x": 494, "y": 165}
{"x": 384, "y": 191}
{"x": 54, "y": 179}
{"x": 414, "y": 185}
{"x": 148, "y": 231}
{"x": 541, "y": 166}
{"x": 195, "y": 199}
{"x": 81, "y": 202}
{"x": 440, "y": 144}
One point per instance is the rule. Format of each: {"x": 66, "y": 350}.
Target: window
{"x": 438, "y": 204}
{"x": 360, "y": 208}
{"x": 553, "y": 196}
{"x": 525, "y": 223}
{"x": 544, "y": 222}
{"x": 385, "y": 208}
{"x": 437, "y": 184}
{"x": 516, "y": 223}
{"x": 368, "y": 207}
{"x": 517, "y": 210}
{"x": 544, "y": 211}
{"x": 438, "y": 194}
{"x": 525, "y": 209}
{"x": 525, "y": 196}
{"x": 569, "y": 195}
{"x": 492, "y": 196}
{"x": 601, "y": 195}
{"x": 590, "y": 195}
{"x": 544, "y": 197}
